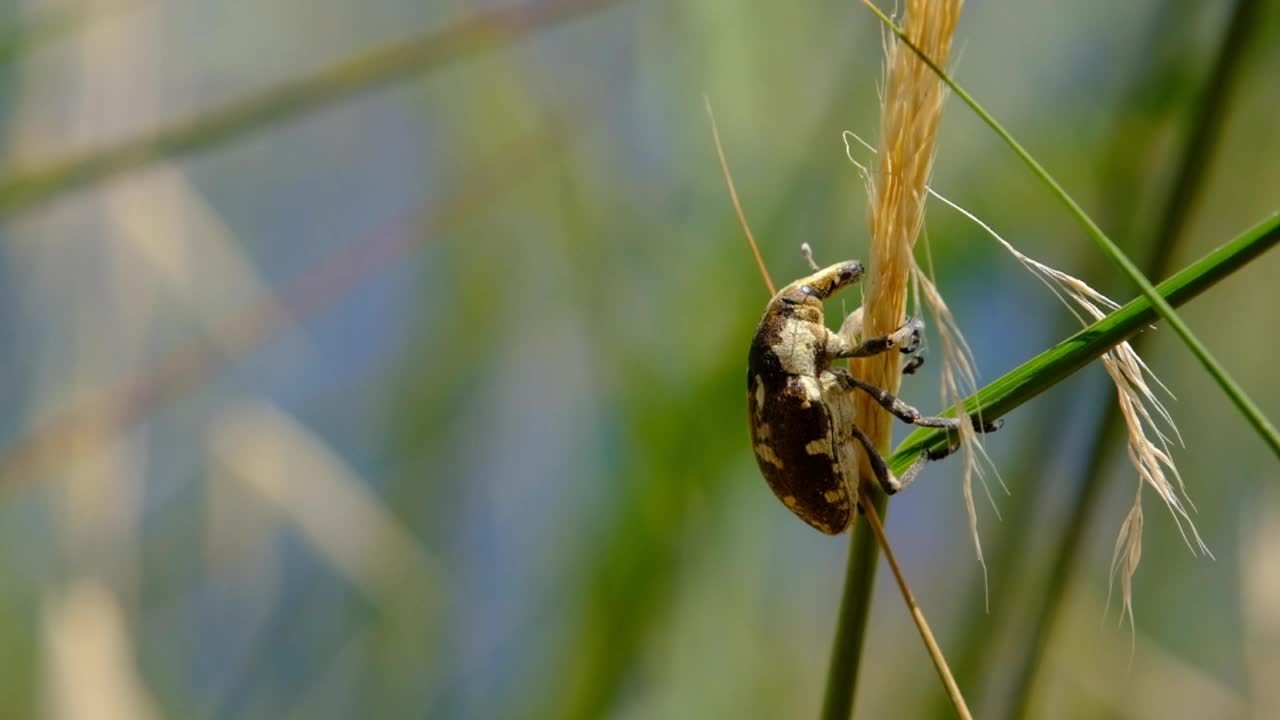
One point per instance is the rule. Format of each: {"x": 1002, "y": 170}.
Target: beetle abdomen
{"x": 792, "y": 433}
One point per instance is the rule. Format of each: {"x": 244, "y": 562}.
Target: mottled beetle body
{"x": 800, "y": 416}
{"x": 801, "y": 409}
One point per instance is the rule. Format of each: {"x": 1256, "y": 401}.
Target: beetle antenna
{"x": 808, "y": 256}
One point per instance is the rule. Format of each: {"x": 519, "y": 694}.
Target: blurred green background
{"x": 387, "y": 359}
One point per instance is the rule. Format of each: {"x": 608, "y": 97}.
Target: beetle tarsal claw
{"x": 908, "y": 337}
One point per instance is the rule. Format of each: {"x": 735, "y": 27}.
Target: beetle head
{"x": 808, "y": 293}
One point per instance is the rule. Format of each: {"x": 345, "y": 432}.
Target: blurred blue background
{"x": 420, "y": 393}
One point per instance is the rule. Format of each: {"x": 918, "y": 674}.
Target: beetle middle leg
{"x": 905, "y": 412}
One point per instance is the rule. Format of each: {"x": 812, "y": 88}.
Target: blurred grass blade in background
{"x": 487, "y": 30}
{"x": 114, "y": 410}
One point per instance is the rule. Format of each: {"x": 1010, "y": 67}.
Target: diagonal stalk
{"x": 1261, "y": 425}
{"x": 954, "y": 696}
{"x": 995, "y": 400}
{"x": 1058, "y": 362}
{"x": 1198, "y": 149}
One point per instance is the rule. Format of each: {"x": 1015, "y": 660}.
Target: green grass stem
{"x": 997, "y": 399}
{"x": 1060, "y": 361}
{"x": 1197, "y": 152}
{"x": 1261, "y": 425}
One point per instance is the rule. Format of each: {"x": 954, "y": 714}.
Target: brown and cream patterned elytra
{"x": 800, "y": 413}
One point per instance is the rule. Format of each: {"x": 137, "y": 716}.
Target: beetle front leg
{"x": 905, "y": 338}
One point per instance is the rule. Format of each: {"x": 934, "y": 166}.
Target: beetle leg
{"x": 851, "y": 328}
{"x": 913, "y": 364}
{"x": 910, "y": 475}
{"x": 913, "y": 329}
{"x": 943, "y": 452}
{"x": 890, "y": 484}
{"x": 887, "y": 481}
{"x": 905, "y": 338}
{"x": 906, "y": 413}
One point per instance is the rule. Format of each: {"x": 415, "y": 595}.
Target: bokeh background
{"x": 386, "y": 359}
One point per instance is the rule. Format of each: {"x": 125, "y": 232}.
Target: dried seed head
{"x": 912, "y": 107}
{"x": 1142, "y": 411}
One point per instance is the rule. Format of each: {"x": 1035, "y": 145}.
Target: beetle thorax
{"x": 800, "y": 347}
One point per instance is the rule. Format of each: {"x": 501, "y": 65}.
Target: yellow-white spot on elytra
{"x": 789, "y": 501}
{"x": 759, "y": 396}
{"x": 765, "y": 453}
{"x": 821, "y": 446}
{"x": 833, "y": 496}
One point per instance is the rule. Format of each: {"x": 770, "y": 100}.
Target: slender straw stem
{"x": 930, "y": 644}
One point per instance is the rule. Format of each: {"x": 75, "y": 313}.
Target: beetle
{"x": 801, "y": 409}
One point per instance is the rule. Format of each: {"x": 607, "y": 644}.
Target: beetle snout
{"x": 849, "y": 273}
{"x": 841, "y": 276}
{"x": 822, "y": 284}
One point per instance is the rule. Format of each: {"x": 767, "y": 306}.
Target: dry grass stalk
{"x": 958, "y": 378}
{"x": 912, "y": 108}
{"x": 949, "y": 684}
{"x": 1128, "y": 372}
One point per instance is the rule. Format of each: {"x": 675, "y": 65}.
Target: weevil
{"x": 801, "y": 410}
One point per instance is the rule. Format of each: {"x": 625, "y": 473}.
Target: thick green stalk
{"x": 1060, "y": 361}
{"x": 1000, "y": 397}
{"x": 1036, "y": 376}
{"x": 1162, "y": 52}
{"x": 851, "y": 625}
{"x": 1198, "y": 149}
